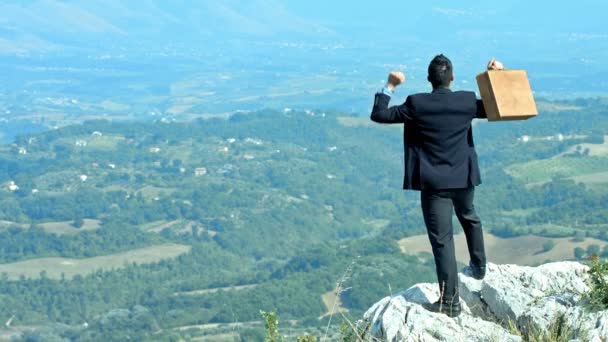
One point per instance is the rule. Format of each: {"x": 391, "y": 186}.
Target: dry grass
{"x": 329, "y": 298}
{"x": 66, "y": 227}
{"x": 351, "y": 121}
{"x": 106, "y": 142}
{"x": 551, "y": 107}
{"x": 160, "y": 227}
{"x": 597, "y": 150}
{"x": 590, "y": 169}
{"x": 59, "y": 228}
{"x": 178, "y": 227}
{"x": 150, "y": 192}
{"x": 541, "y": 171}
{"x": 592, "y": 178}
{"x": 210, "y": 326}
{"x": 54, "y": 267}
{"x": 521, "y": 250}
{"x": 223, "y": 337}
{"x": 214, "y": 290}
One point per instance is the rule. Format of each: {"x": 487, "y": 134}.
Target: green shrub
{"x": 593, "y": 249}
{"x": 547, "y": 246}
{"x": 579, "y": 253}
{"x": 579, "y": 236}
{"x": 598, "y": 281}
{"x": 271, "y": 323}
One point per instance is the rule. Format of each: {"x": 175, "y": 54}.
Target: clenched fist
{"x": 395, "y": 78}
{"x": 495, "y": 65}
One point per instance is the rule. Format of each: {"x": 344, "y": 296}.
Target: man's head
{"x": 440, "y": 72}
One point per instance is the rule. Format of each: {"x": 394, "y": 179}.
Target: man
{"x": 441, "y": 163}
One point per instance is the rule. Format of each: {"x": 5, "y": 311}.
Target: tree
{"x": 579, "y": 253}
{"x": 547, "y": 246}
{"x": 579, "y": 236}
{"x": 78, "y": 222}
{"x": 593, "y": 249}
{"x": 605, "y": 252}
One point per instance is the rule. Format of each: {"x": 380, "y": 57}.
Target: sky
{"x": 57, "y": 20}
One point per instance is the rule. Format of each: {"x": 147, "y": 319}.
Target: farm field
{"x": 592, "y": 178}
{"x": 521, "y": 250}
{"x": 55, "y": 267}
{"x": 67, "y": 227}
{"x": 214, "y": 290}
{"x": 59, "y": 228}
{"x": 540, "y": 171}
{"x": 595, "y": 150}
{"x": 584, "y": 163}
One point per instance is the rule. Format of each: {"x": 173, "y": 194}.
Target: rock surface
{"x": 512, "y": 301}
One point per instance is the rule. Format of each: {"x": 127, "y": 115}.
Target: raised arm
{"x": 381, "y": 112}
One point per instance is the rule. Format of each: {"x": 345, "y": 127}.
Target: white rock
{"x": 402, "y": 318}
{"x": 533, "y": 297}
{"x": 510, "y": 290}
{"x": 530, "y": 298}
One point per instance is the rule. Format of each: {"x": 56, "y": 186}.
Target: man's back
{"x": 438, "y": 139}
{"x": 441, "y": 132}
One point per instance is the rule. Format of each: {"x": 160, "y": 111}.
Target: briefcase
{"x": 506, "y": 95}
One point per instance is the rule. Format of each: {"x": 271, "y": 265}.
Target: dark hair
{"x": 440, "y": 71}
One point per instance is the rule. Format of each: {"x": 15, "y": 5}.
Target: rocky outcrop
{"x": 512, "y": 301}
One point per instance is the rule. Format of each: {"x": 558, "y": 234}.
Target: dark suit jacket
{"x": 437, "y": 137}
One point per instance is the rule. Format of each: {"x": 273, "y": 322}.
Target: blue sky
{"x": 279, "y": 17}
{"x": 537, "y": 15}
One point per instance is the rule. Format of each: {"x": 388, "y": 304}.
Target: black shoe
{"x": 477, "y": 272}
{"x": 452, "y": 310}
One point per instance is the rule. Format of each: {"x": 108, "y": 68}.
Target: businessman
{"x": 441, "y": 163}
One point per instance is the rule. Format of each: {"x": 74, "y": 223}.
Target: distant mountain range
{"x": 286, "y": 53}
{"x": 46, "y": 25}
{"x": 43, "y": 25}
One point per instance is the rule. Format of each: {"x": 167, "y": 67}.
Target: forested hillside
{"x": 266, "y": 210}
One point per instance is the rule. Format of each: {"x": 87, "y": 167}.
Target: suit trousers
{"x": 437, "y": 207}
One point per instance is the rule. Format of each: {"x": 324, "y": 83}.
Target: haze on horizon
{"x": 261, "y": 42}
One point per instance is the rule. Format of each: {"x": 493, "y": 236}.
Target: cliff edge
{"x": 512, "y": 303}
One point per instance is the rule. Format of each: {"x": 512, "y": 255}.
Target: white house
{"x": 12, "y": 186}
{"x": 253, "y": 141}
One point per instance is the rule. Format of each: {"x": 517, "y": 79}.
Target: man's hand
{"x": 395, "y": 78}
{"x": 495, "y": 65}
